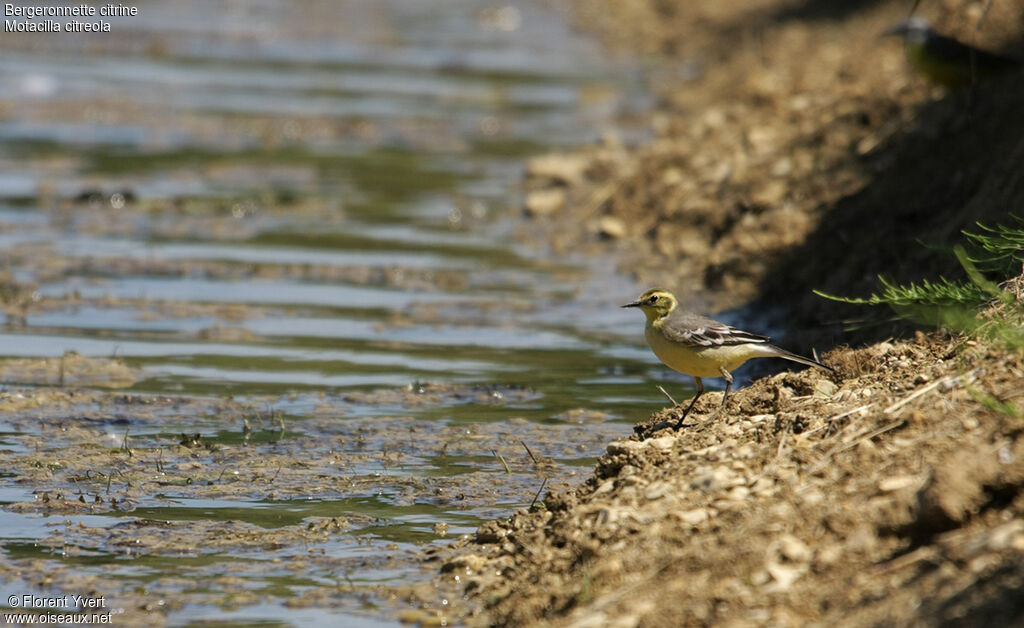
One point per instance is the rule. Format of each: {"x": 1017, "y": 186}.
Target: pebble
{"x": 738, "y": 493}
{"x": 611, "y": 227}
{"x": 825, "y": 388}
{"x": 828, "y": 555}
{"x": 1008, "y": 535}
{"x": 545, "y": 202}
{"x": 662, "y": 442}
{"x": 629, "y": 479}
{"x": 565, "y": 169}
{"x": 657, "y": 490}
{"x": 788, "y": 559}
{"x": 593, "y": 620}
{"x": 617, "y": 447}
{"x": 896, "y": 482}
{"x": 694, "y": 517}
{"x": 763, "y": 484}
{"x": 744, "y": 451}
{"x": 793, "y": 549}
{"x": 717, "y": 479}
{"x": 626, "y": 471}
{"x": 770, "y": 193}
{"x": 883, "y": 348}
{"x": 607, "y": 516}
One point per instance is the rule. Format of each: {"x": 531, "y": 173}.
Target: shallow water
{"x": 289, "y": 222}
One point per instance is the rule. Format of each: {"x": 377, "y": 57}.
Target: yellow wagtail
{"x": 944, "y": 60}
{"x": 701, "y": 347}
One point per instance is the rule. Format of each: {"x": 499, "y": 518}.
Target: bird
{"x": 944, "y": 60}
{"x": 701, "y": 347}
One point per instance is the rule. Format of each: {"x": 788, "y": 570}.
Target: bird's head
{"x": 655, "y": 303}
{"x": 914, "y": 29}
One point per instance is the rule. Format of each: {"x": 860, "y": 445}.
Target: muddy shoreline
{"x": 250, "y": 432}
{"x": 797, "y": 152}
{"x": 890, "y": 498}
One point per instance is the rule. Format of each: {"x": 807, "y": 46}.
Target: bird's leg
{"x": 728, "y": 385}
{"x": 725, "y": 395}
{"x": 700, "y": 391}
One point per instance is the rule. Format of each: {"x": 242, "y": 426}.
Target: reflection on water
{"x": 295, "y": 204}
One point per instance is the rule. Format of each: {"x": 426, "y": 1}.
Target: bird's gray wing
{"x": 698, "y": 331}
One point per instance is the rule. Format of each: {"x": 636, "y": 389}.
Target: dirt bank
{"x": 793, "y": 150}
{"x": 891, "y": 499}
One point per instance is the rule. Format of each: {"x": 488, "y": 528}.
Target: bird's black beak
{"x": 633, "y": 304}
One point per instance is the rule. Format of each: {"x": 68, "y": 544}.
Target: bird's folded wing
{"x": 697, "y": 331}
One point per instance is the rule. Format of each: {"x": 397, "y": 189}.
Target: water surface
{"x": 289, "y": 221}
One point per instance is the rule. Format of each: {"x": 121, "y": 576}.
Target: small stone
{"x": 411, "y": 616}
{"x": 770, "y": 193}
{"x": 662, "y": 442}
{"x": 628, "y": 471}
{"x": 545, "y": 202}
{"x": 763, "y": 485}
{"x": 606, "y": 487}
{"x": 784, "y": 576}
{"x": 731, "y": 430}
{"x": 897, "y": 482}
{"x": 617, "y": 447}
{"x": 1003, "y": 537}
{"x": 694, "y": 517}
{"x": 717, "y": 479}
{"x": 825, "y": 388}
{"x": 828, "y": 555}
{"x": 607, "y": 516}
{"x": 868, "y": 144}
{"x": 883, "y": 349}
{"x": 788, "y": 559}
{"x": 793, "y": 549}
{"x": 760, "y": 577}
{"x": 738, "y": 494}
{"x": 811, "y": 497}
{"x": 565, "y": 169}
{"x": 592, "y": 620}
{"x": 611, "y": 228}
{"x": 672, "y": 176}
{"x": 657, "y": 490}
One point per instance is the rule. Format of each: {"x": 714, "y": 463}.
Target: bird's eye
{"x": 653, "y": 299}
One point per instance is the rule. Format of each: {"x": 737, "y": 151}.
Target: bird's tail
{"x": 782, "y": 353}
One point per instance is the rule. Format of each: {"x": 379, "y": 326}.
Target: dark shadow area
{"x": 993, "y": 600}
{"x": 960, "y": 164}
{"x": 824, "y": 9}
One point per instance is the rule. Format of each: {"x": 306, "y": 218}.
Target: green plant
{"x": 979, "y": 305}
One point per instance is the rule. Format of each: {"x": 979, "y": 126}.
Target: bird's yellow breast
{"x": 700, "y": 362}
